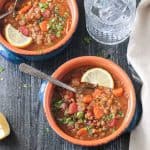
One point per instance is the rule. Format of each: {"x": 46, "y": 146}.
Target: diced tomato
{"x": 112, "y": 123}
{"x": 82, "y": 132}
{"x": 69, "y": 95}
{"x": 73, "y": 108}
{"x": 118, "y": 92}
{"x": 96, "y": 93}
{"x": 87, "y": 99}
{"x": 46, "y": 14}
{"x": 98, "y": 113}
{"x": 24, "y": 30}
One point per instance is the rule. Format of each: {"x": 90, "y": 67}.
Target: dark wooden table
{"x": 20, "y": 103}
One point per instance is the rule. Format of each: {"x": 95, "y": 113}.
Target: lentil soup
{"x": 92, "y": 114}
{"x": 45, "y": 21}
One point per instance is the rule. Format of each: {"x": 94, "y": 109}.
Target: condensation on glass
{"x": 109, "y": 21}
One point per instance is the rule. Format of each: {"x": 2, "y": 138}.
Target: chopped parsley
{"x": 43, "y": 6}
{"x": 87, "y": 40}
{"x": 56, "y": 25}
{"x": 89, "y": 129}
{"x": 56, "y": 9}
{"x": 66, "y": 120}
{"x": 80, "y": 115}
{"x": 26, "y": 85}
{"x": 1, "y": 69}
{"x": 121, "y": 114}
{"x": 113, "y": 130}
{"x": 108, "y": 117}
{"x": 57, "y": 103}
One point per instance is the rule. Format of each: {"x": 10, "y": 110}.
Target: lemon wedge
{"x": 16, "y": 38}
{"x": 98, "y": 76}
{"x": 4, "y": 127}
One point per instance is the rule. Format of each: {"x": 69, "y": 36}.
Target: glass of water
{"x": 109, "y": 21}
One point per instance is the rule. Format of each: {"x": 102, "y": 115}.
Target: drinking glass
{"x": 109, "y": 21}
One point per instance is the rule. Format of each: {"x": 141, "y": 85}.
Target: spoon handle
{"x": 5, "y": 14}
{"x": 9, "y": 12}
{"x": 37, "y": 73}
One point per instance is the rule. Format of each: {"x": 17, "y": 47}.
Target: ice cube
{"x": 109, "y": 11}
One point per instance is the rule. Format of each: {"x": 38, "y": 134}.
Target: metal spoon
{"x": 37, "y": 73}
{"x": 9, "y": 12}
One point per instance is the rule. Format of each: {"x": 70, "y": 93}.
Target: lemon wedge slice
{"x": 98, "y": 76}
{"x": 4, "y": 127}
{"x": 16, "y": 38}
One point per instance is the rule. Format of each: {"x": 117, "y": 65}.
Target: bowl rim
{"x": 60, "y": 132}
{"x": 75, "y": 19}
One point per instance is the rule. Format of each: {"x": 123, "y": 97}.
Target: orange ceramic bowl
{"x": 116, "y": 71}
{"x": 75, "y": 15}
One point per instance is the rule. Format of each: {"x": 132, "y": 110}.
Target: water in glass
{"x": 109, "y": 21}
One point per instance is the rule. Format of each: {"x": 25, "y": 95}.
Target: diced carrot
{"x": 73, "y": 108}
{"x": 82, "y": 132}
{"x": 118, "y": 92}
{"x": 43, "y": 1}
{"x": 98, "y": 113}
{"x": 62, "y": 9}
{"x": 87, "y": 99}
{"x": 43, "y": 26}
{"x": 96, "y": 93}
{"x": 24, "y": 9}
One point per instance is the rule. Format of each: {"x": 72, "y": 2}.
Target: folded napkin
{"x": 139, "y": 56}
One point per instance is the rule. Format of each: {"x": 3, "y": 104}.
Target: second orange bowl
{"x": 95, "y": 62}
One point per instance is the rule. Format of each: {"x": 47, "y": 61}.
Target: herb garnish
{"x": 87, "y": 39}
{"x": 66, "y": 120}
{"x": 1, "y": 69}
{"x": 43, "y": 6}
{"x": 108, "y": 117}
{"x": 121, "y": 114}
{"x": 57, "y": 103}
